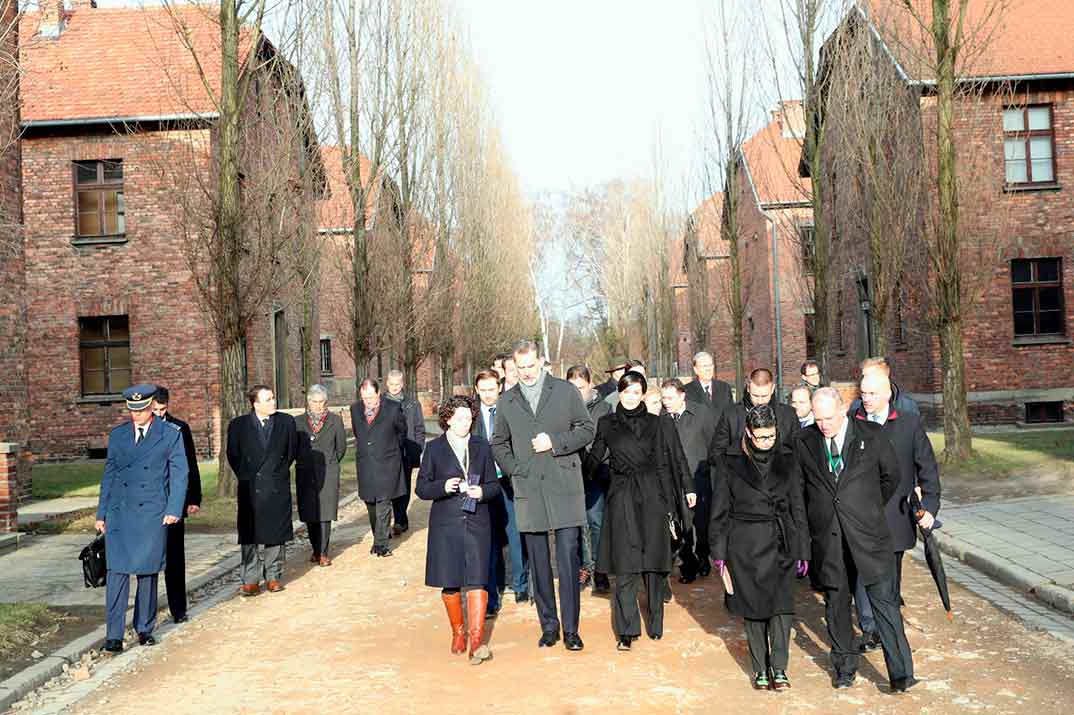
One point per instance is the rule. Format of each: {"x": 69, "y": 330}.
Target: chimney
{"x": 53, "y": 18}
{"x": 82, "y": 4}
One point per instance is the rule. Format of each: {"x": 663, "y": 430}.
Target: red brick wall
{"x": 9, "y": 468}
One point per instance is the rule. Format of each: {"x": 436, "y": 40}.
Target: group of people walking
{"x": 623, "y": 480}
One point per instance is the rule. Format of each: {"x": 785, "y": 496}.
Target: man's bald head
{"x": 875, "y": 392}
{"x": 829, "y": 411}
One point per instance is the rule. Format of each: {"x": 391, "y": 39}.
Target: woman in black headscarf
{"x": 759, "y": 540}
{"x": 645, "y": 493}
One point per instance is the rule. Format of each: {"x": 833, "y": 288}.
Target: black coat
{"x": 607, "y": 387}
{"x": 193, "y": 475}
{"x": 317, "y": 467}
{"x": 414, "y": 442}
{"x": 644, "y": 489}
{"x": 379, "y": 450}
{"x": 548, "y": 489}
{"x": 731, "y": 426}
{"x": 598, "y": 408}
{"x": 917, "y": 468}
{"x": 852, "y": 509}
{"x": 696, "y": 427}
{"x": 264, "y": 477}
{"x": 721, "y": 395}
{"x": 459, "y": 542}
{"x": 759, "y": 528}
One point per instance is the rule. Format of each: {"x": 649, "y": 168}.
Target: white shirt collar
{"x": 883, "y": 416}
{"x": 841, "y": 437}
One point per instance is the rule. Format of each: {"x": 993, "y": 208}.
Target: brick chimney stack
{"x": 82, "y": 4}
{"x": 53, "y": 18}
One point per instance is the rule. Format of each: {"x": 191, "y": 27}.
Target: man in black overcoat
{"x": 917, "y": 469}
{"x": 379, "y": 431}
{"x": 849, "y": 471}
{"x": 695, "y": 425}
{"x": 175, "y": 568}
{"x": 705, "y": 389}
{"x": 541, "y": 426}
{"x": 731, "y": 423}
{"x": 614, "y": 372}
{"x": 261, "y": 447}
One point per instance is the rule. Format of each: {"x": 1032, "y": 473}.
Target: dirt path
{"x": 367, "y": 634}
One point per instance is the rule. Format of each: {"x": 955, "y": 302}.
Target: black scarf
{"x": 762, "y": 459}
{"x": 635, "y": 418}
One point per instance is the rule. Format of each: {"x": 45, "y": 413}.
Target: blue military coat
{"x": 142, "y": 483}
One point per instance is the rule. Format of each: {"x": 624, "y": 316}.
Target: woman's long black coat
{"x": 759, "y": 528}
{"x": 317, "y": 467}
{"x": 645, "y": 485}
{"x": 459, "y": 542}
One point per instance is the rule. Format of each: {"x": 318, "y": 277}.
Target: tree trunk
{"x": 447, "y": 373}
{"x": 410, "y": 365}
{"x": 232, "y": 404}
{"x": 956, "y": 422}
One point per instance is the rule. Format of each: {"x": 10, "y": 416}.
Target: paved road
{"x": 368, "y": 632}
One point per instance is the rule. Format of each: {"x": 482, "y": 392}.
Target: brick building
{"x": 1015, "y": 137}
{"x": 111, "y": 296}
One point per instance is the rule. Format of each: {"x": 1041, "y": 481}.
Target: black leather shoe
{"x": 901, "y": 685}
{"x": 870, "y": 641}
{"x": 548, "y": 639}
{"x": 623, "y": 643}
{"x": 522, "y": 597}
{"x": 572, "y": 642}
{"x": 686, "y": 577}
{"x": 656, "y": 636}
{"x": 704, "y": 569}
{"x": 843, "y": 680}
{"x": 146, "y": 639}
{"x": 601, "y": 583}
{"x": 113, "y": 646}
{"x": 181, "y": 619}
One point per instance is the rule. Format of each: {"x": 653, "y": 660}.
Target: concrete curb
{"x": 29, "y": 679}
{"x": 1008, "y": 572}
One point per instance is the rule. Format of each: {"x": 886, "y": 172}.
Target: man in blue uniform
{"x": 142, "y": 492}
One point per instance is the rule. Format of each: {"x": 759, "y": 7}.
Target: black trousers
{"x": 568, "y": 562}
{"x": 889, "y": 626}
{"x": 625, "y": 616}
{"x": 380, "y": 520}
{"x": 769, "y": 642}
{"x": 400, "y": 503}
{"x": 175, "y": 568}
{"x": 319, "y": 532}
{"x": 702, "y": 516}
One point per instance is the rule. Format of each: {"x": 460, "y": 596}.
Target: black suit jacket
{"x": 852, "y": 508}
{"x": 721, "y": 395}
{"x": 917, "y": 468}
{"x": 379, "y": 450}
{"x": 193, "y": 480}
{"x": 264, "y": 476}
{"x": 731, "y": 426}
{"x": 696, "y": 427}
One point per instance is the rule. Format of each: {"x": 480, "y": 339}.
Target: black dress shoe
{"x": 113, "y": 646}
{"x": 686, "y": 577}
{"x": 572, "y": 642}
{"x": 843, "y": 680}
{"x": 623, "y": 643}
{"x": 522, "y": 597}
{"x": 146, "y": 639}
{"x": 548, "y": 639}
{"x": 656, "y": 636}
{"x": 870, "y": 641}
{"x": 704, "y": 569}
{"x": 181, "y": 619}
{"x": 901, "y": 685}
{"x": 601, "y": 583}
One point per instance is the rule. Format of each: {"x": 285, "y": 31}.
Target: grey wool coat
{"x": 317, "y": 467}
{"x": 549, "y": 493}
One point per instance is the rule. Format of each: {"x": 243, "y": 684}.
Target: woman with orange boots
{"x": 459, "y": 476}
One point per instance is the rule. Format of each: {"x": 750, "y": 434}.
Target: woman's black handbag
{"x": 94, "y": 563}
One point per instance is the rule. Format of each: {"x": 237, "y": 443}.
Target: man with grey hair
{"x": 412, "y": 445}
{"x": 541, "y": 426}
{"x": 849, "y": 471}
{"x": 705, "y": 389}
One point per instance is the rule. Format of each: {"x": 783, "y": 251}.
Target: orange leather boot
{"x": 453, "y": 604}
{"x": 477, "y": 601}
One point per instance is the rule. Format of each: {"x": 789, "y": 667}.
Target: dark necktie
{"x": 140, "y": 436}
{"x": 675, "y": 416}
{"x": 492, "y": 421}
{"x": 708, "y": 390}
{"x": 835, "y": 459}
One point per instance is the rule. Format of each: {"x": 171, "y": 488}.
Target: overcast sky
{"x": 583, "y": 89}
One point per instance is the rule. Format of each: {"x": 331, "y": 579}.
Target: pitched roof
{"x": 121, "y": 62}
{"x": 1003, "y": 39}
{"x": 772, "y": 156}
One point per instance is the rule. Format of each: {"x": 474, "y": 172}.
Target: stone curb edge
{"x": 1004, "y": 570}
{"x": 32, "y": 677}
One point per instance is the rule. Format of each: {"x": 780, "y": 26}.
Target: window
{"x": 807, "y": 234}
{"x": 1037, "y": 297}
{"x": 99, "y": 198}
{"x": 810, "y": 337}
{"x": 1037, "y": 412}
{"x": 326, "y": 356}
{"x": 105, "y": 347}
{"x": 1029, "y": 145}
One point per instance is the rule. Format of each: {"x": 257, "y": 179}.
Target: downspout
{"x": 779, "y": 311}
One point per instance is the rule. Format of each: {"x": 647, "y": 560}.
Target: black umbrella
{"x": 933, "y": 557}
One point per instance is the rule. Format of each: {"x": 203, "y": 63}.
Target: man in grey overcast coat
{"x": 541, "y": 425}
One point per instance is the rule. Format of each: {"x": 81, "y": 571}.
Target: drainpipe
{"x": 779, "y": 310}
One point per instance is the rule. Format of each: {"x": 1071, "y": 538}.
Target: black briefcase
{"x": 94, "y": 563}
